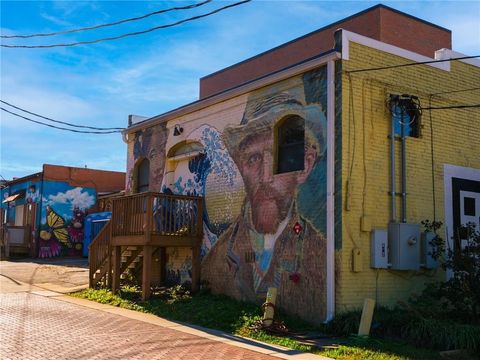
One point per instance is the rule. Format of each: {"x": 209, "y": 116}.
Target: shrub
{"x": 458, "y": 298}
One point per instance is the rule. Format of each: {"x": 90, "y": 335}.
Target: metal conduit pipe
{"x": 404, "y": 174}
{"x": 392, "y": 170}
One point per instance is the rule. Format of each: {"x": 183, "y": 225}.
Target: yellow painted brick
{"x": 455, "y": 140}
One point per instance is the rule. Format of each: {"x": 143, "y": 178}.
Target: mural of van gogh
{"x": 262, "y": 179}
{"x": 276, "y": 147}
{"x": 61, "y": 228}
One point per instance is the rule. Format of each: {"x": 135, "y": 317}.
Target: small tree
{"x": 458, "y": 298}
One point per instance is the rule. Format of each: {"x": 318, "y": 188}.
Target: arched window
{"x": 290, "y": 144}
{"x": 143, "y": 174}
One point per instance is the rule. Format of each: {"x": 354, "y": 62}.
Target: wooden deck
{"x": 142, "y": 224}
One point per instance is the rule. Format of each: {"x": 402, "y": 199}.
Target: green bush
{"x": 458, "y": 298}
{"x": 409, "y": 326}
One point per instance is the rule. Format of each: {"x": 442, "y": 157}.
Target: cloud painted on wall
{"x": 76, "y": 197}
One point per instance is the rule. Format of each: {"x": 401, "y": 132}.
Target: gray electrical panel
{"x": 404, "y": 246}
{"x": 426, "y": 248}
{"x": 379, "y": 249}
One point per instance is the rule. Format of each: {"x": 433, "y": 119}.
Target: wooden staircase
{"x": 99, "y": 259}
{"x": 142, "y": 225}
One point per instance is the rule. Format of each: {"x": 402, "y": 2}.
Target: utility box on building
{"x": 426, "y": 248}
{"x": 379, "y": 249}
{"x": 404, "y": 246}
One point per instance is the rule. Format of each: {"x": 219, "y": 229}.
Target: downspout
{"x": 404, "y": 173}
{"x": 392, "y": 170}
{"x": 330, "y": 311}
{"x": 39, "y": 221}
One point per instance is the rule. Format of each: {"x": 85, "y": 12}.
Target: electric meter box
{"x": 404, "y": 246}
{"x": 379, "y": 249}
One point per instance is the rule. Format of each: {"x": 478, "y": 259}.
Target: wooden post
{"x": 367, "y": 315}
{"x": 117, "y": 253}
{"x": 109, "y": 282}
{"x": 149, "y": 214}
{"x": 269, "y": 311}
{"x": 146, "y": 271}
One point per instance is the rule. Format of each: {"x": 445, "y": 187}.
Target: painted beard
{"x": 269, "y": 209}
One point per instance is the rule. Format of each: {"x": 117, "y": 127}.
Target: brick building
{"x": 42, "y": 214}
{"x": 317, "y": 161}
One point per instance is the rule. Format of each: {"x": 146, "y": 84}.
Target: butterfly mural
{"x": 54, "y": 233}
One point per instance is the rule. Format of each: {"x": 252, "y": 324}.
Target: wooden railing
{"x": 99, "y": 255}
{"x": 157, "y": 214}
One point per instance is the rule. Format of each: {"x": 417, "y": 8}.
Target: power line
{"x": 107, "y": 24}
{"x": 58, "y": 121}
{"x": 452, "y": 107}
{"x": 456, "y": 91}
{"x": 412, "y": 64}
{"x": 128, "y": 34}
{"x": 58, "y": 127}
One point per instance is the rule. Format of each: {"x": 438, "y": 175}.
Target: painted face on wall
{"x": 270, "y": 195}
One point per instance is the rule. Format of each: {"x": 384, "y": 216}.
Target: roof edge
{"x": 378, "y": 6}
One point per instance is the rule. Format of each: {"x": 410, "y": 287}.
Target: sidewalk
{"x": 37, "y": 305}
{"x": 59, "y": 275}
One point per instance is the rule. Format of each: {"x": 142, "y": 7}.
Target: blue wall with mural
{"x": 59, "y": 214}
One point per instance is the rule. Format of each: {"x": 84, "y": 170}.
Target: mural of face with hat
{"x": 277, "y": 238}
{"x": 255, "y": 147}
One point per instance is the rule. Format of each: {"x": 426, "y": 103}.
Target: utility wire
{"x": 107, "y": 24}
{"x": 58, "y": 121}
{"x": 58, "y": 127}
{"x": 128, "y": 34}
{"x": 412, "y": 64}
{"x": 455, "y": 91}
{"x": 452, "y": 107}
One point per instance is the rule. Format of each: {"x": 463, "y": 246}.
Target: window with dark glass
{"x": 143, "y": 176}
{"x": 291, "y": 144}
{"x": 406, "y": 115}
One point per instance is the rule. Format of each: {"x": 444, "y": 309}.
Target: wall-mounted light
{"x": 177, "y": 130}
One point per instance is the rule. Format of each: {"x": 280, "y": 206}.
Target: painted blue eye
{"x": 255, "y": 158}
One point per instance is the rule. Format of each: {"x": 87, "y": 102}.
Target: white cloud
{"x": 55, "y": 20}
{"x": 76, "y": 197}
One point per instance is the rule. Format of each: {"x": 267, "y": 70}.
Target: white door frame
{"x": 450, "y": 172}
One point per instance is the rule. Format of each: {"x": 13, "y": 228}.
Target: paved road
{"x": 60, "y": 275}
{"x": 40, "y": 327}
{"x": 37, "y": 323}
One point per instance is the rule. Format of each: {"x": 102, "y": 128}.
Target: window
{"x": 290, "y": 144}
{"x": 143, "y": 174}
{"x": 19, "y": 215}
{"x": 406, "y": 114}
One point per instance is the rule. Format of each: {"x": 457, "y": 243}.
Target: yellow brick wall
{"x": 366, "y": 164}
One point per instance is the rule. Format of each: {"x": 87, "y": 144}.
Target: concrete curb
{"x": 215, "y": 335}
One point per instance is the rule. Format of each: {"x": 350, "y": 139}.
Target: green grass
{"x": 232, "y": 316}
{"x": 376, "y": 349}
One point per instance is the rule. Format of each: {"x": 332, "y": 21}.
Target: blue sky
{"x": 101, "y": 84}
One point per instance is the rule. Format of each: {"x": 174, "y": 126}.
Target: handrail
{"x": 151, "y": 213}
{"x": 99, "y": 252}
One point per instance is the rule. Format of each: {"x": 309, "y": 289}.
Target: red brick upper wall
{"x": 101, "y": 180}
{"x": 412, "y": 34}
{"x": 379, "y": 22}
